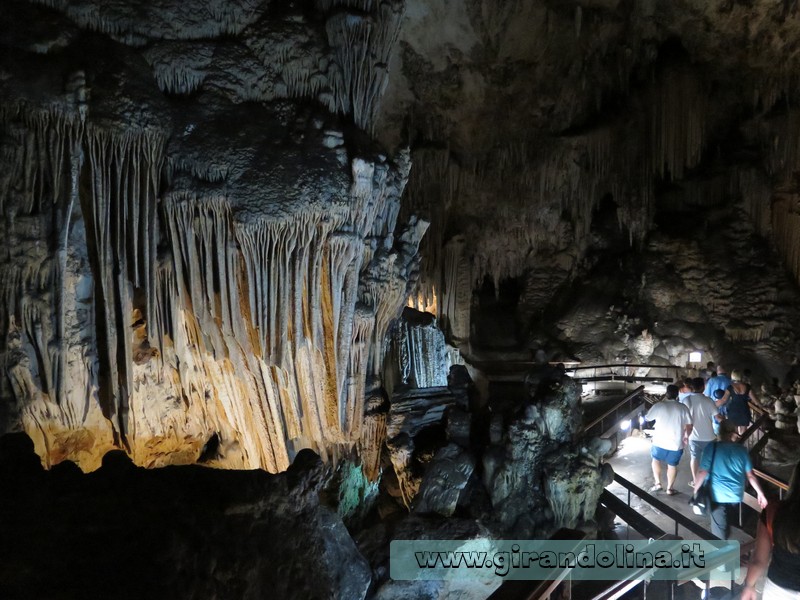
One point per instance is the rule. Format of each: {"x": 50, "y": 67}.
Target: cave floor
{"x": 632, "y": 461}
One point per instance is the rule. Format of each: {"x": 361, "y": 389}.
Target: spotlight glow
{"x": 625, "y": 425}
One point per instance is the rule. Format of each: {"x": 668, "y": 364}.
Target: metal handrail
{"x": 673, "y": 514}
{"x": 521, "y": 589}
{"x": 763, "y": 475}
{"x": 618, "y": 377}
{"x": 632, "y": 518}
{"x": 779, "y": 483}
{"x": 634, "y": 365}
{"x": 510, "y": 365}
{"x": 782, "y": 485}
{"x": 753, "y": 428}
{"x": 757, "y": 408}
{"x": 626, "y": 400}
{"x": 547, "y": 587}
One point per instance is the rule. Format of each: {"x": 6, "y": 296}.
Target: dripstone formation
{"x": 194, "y": 250}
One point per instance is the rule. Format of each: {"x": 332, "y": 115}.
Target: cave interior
{"x": 284, "y": 281}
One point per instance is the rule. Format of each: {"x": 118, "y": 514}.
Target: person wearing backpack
{"x": 779, "y": 536}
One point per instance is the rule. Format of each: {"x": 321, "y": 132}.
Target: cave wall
{"x": 523, "y": 118}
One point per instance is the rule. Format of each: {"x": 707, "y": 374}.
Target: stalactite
{"x": 401, "y": 457}
{"x": 51, "y": 293}
{"x": 179, "y": 67}
{"x": 774, "y": 208}
{"x": 259, "y": 321}
{"x": 424, "y": 301}
{"x": 362, "y": 45}
{"x": 456, "y": 289}
{"x": 373, "y": 436}
{"x": 678, "y": 122}
{"x": 362, "y": 5}
{"x": 132, "y": 25}
{"x": 786, "y": 229}
{"x": 756, "y": 193}
{"x": 541, "y": 182}
{"x": 364, "y": 321}
{"x": 419, "y": 353}
{"x": 124, "y": 175}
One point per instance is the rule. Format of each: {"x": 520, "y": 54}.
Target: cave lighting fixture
{"x": 695, "y": 357}
{"x": 655, "y": 387}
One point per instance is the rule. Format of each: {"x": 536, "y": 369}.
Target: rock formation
{"x": 194, "y": 252}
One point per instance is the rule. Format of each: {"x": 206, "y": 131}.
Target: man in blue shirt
{"x": 720, "y": 381}
{"x": 728, "y": 464}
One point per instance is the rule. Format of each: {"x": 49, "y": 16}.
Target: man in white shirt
{"x": 704, "y": 415}
{"x": 672, "y": 429}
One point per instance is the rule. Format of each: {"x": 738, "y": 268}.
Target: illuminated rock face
{"x": 197, "y": 264}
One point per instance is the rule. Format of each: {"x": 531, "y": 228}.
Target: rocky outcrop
{"x": 411, "y": 413}
{"x": 179, "y": 532}
{"x": 374, "y": 543}
{"x": 784, "y": 412}
{"x": 444, "y": 481}
{"x": 540, "y": 462}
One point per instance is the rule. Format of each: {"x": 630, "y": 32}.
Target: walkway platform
{"x": 632, "y": 461}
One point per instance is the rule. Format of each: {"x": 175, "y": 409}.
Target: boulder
{"x": 444, "y": 481}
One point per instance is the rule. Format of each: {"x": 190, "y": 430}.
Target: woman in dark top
{"x": 734, "y": 404}
{"x": 778, "y": 534}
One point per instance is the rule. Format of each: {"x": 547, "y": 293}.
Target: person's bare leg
{"x": 657, "y": 471}
{"x": 694, "y": 464}
{"x": 672, "y": 472}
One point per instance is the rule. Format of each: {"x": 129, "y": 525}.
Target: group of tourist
{"x": 709, "y": 416}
